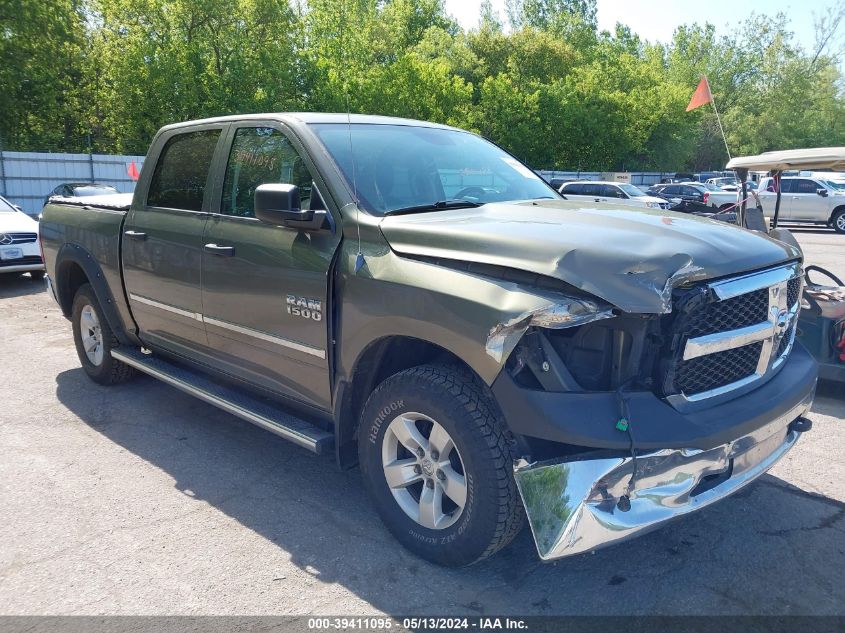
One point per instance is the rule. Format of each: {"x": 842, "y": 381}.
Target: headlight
{"x": 651, "y": 205}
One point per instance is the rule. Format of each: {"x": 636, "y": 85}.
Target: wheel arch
{"x": 379, "y": 360}
{"x": 835, "y": 211}
{"x": 75, "y": 267}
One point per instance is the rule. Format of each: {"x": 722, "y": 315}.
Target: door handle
{"x": 222, "y": 251}
{"x": 135, "y": 235}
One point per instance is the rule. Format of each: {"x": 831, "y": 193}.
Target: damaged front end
{"x": 569, "y": 312}
{"x": 583, "y": 504}
{"x": 626, "y": 421}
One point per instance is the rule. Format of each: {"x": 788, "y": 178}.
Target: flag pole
{"x": 718, "y": 119}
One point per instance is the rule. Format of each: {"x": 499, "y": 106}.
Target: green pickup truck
{"x": 416, "y": 300}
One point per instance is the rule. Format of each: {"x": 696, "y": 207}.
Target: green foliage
{"x": 42, "y": 55}
{"x": 549, "y": 87}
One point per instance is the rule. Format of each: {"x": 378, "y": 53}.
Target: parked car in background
{"x": 616, "y": 192}
{"x": 805, "y": 200}
{"x": 19, "y": 251}
{"x": 837, "y": 179}
{"x": 722, "y": 182}
{"x": 678, "y": 177}
{"x": 694, "y": 192}
{"x": 80, "y": 190}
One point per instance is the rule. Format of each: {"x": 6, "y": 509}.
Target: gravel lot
{"x": 138, "y": 499}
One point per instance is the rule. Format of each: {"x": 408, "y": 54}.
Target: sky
{"x": 656, "y": 20}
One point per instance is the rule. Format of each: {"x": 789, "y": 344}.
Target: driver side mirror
{"x": 822, "y": 192}
{"x": 278, "y": 204}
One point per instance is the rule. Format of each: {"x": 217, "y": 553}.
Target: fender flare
{"x": 74, "y": 254}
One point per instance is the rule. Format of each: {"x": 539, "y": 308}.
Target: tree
{"x": 42, "y": 52}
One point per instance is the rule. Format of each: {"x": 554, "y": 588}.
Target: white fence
{"x": 26, "y": 178}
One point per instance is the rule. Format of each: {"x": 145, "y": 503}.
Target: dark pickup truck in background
{"x": 416, "y": 300}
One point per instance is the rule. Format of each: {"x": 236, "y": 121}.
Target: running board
{"x": 241, "y": 404}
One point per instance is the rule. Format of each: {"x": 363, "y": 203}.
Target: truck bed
{"x": 115, "y": 201}
{"x": 85, "y": 234}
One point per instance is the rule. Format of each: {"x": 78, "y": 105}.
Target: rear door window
{"x": 182, "y": 171}
{"x": 803, "y": 185}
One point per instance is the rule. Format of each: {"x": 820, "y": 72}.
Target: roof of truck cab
{"x": 812, "y": 158}
{"x": 312, "y": 117}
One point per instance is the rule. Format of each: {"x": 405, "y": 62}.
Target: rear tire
{"x": 94, "y": 340}
{"x": 453, "y": 507}
{"x": 838, "y": 221}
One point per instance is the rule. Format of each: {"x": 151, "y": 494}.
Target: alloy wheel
{"x": 92, "y": 337}
{"x": 424, "y": 470}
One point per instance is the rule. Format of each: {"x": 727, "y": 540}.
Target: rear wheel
{"x": 94, "y": 340}
{"x": 437, "y": 460}
{"x": 838, "y": 221}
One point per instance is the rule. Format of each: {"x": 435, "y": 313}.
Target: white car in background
{"x": 728, "y": 183}
{"x": 805, "y": 199}
{"x": 615, "y": 192}
{"x": 19, "y": 250}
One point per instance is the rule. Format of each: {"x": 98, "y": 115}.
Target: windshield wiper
{"x": 435, "y": 206}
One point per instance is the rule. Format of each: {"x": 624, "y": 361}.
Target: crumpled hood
{"x": 631, "y": 259}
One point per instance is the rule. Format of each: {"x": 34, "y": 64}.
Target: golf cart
{"x": 821, "y": 325}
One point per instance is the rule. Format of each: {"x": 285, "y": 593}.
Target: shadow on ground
{"x": 772, "y": 548}
{"x": 19, "y": 284}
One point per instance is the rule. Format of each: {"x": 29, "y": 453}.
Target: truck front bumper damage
{"x": 578, "y": 506}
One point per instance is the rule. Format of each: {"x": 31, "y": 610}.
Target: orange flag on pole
{"x": 133, "y": 172}
{"x": 701, "y": 95}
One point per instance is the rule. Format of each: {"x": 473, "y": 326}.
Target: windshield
{"x": 709, "y": 186}
{"x": 403, "y": 167}
{"x": 631, "y": 190}
{"x": 829, "y": 184}
{"x": 5, "y": 207}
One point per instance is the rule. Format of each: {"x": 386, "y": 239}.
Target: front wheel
{"x": 94, "y": 340}
{"x": 838, "y": 221}
{"x": 437, "y": 460}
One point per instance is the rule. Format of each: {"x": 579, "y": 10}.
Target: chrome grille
{"x": 730, "y": 334}
{"x": 7, "y": 239}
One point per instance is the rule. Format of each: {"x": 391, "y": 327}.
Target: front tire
{"x": 838, "y": 221}
{"x": 436, "y": 459}
{"x": 94, "y": 340}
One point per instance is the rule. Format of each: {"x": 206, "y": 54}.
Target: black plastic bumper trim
{"x": 589, "y": 419}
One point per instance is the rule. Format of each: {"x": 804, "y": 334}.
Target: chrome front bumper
{"x": 579, "y": 506}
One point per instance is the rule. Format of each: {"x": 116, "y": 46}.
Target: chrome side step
{"x": 245, "y": 406}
